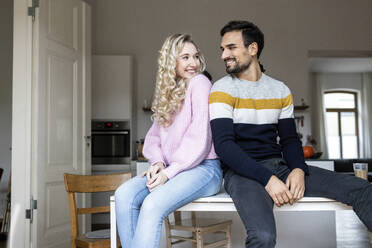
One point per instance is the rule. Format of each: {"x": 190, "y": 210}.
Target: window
{"x": 342, "y": 124}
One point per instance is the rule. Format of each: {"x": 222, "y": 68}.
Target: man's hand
{"x": 278, "y": 191}
{"x": 296, "y": 184}
{"x": 153, "y": 170}
{"x": 159, "y": 179}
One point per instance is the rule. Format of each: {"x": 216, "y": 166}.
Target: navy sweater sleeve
{"x": 289, "y": 140}
{"x": 291, "y": 145}
{"x": 233, "y": 155}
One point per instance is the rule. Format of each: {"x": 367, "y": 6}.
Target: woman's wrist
{"x": 160, "y": 164}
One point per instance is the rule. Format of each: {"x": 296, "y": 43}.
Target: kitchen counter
{"x": 346, "y": 165}
{"x": 111, "y": 167}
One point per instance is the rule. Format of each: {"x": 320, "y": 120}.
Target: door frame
{"x": 19, "y": 234}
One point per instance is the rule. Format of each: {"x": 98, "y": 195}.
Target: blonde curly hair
{"x": 170, "y": 91}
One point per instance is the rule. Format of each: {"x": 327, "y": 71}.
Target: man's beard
{"x": 238, "y": 68}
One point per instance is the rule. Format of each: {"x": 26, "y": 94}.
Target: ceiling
{"x": 339, "y": 65}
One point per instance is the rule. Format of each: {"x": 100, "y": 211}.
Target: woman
{"x": 179, "y": 147}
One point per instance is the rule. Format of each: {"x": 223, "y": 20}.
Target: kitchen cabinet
{"x": 112, "y": 100}
{"x": 112, "y": 87}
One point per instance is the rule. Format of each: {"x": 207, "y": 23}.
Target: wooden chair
{"x": 199, "y": 227}
{"x": 90, "y": 184}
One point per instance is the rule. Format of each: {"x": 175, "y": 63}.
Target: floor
{"x": 351, "y": 232}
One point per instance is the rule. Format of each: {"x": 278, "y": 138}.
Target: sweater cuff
{"x": 265, "y": 177}
{"x": 152, "y": 162}
{"x": 303, "y": 167}
{"x": 171, "y": 170}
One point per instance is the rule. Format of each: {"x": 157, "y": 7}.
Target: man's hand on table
{"x": 278, "y": 191}
{"x": 296, "y": 184}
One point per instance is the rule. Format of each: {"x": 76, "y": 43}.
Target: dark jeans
{"x": 255, "y": 206}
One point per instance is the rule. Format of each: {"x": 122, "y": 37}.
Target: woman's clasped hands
{"x": 155, "y": 176}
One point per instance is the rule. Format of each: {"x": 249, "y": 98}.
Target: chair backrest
{"x": 90, "y": 184}
{"x": 94, "y": 183}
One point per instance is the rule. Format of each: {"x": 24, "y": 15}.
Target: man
{"x": 248, "y": 111}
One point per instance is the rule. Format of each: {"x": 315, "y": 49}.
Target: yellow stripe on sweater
{"x": 221, "y": 97}
{"x": 240, "y": 103}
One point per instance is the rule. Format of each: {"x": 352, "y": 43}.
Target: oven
{"x": 110, "y": 142}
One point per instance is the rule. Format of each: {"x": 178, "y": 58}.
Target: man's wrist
{"x": 298, "y": 169}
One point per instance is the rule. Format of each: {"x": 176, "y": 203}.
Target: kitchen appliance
{"x": 110, "y": 142}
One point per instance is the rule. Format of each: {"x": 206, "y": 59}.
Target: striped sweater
{"x": 246, "y": 120}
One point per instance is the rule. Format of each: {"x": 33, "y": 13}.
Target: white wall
{"x": 112, "y": 87}
{"x": 291, "y": 28}
{"x": 341, "y": 81}
{"x": 6, "y": 55}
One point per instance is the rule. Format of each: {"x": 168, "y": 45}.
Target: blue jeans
{"x": 255, "y": 206}
{"x": 140, "y": 214}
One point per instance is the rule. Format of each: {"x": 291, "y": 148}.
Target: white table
{"x": 222, "y": 202}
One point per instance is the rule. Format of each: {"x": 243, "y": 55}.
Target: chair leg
{"x": 199, "y": 240}
{"x": 168, "y": 232}
{"x": 193, "y": 223}
{"x": 113, "y": 227}
{"x": 194, "y": 245}
{"x": 228, "y": 236}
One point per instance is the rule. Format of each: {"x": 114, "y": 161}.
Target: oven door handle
{"x": 111, "y": 132}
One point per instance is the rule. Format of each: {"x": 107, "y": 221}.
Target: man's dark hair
{"x": 207, "y": 74}
{"x": 250, "y": 32}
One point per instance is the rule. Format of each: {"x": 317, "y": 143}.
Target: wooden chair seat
{"x": 84, "y": 242}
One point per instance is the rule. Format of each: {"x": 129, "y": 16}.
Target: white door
{"x": 60, "y": 114}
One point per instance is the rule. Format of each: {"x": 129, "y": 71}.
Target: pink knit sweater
{"x": 188, "y": 141}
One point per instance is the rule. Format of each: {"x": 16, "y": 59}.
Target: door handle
{"x": 87, "y": 139}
